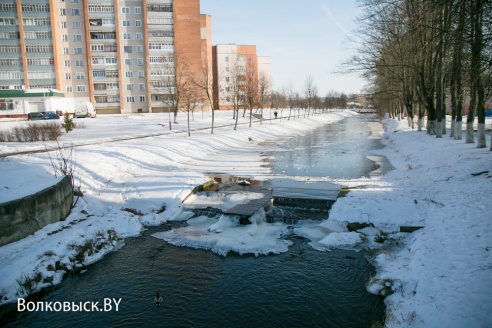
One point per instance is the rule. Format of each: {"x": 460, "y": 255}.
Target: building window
{"x": 128, "y": 61}
{"x": 98, "y": 74}
{"x": 40, "y": 61}
{"x": 6, "y": 104}
{"x": 111, "y": 60}
{"x": 63, "y": 12}
{"x": 69, "y": 88}
{"x": 227, "y": 59}
{"x": 127, "y": 49}
{"x": 127, "y": 36}
{"x": 65, "y": 37}
{"x": 68, "y": 76}
{"x": 141, "y": 74}
{"x": 78, "y": 51}
{"x": 8, "y": 7}
{"x": 138, "y": 23}
{"x": 160, "y": 7}
{"x": 80, "y": 76}
{"x": 75, "y": 12}
{"x": 81, "y": 88}
{"x": 108, "y": 21}
{"x": 29, "y": 35}
{"x": 79, "y": 63}
{"x": 138, "y": 10}
{"x": 227, "y": 78}
{"x": 142, "y": 87}
{"x": 161, "y": 46}
{"x": 139, "y": 48}
{"x": 140, "y": 61}
{"x": 63, "y": 24}
{"x": 97, "y": 61}
{"x": 130, "y": 99}
{"x": 35, "y": 21}
{"x": 142, "y": 98}
{"x": 129, "y": 86}
{"x": 129, "y": 74}
{"x": 126, "y": 23}
{"x": 101, "y": 9}
{"x": 76, "y": 25}
{"x": 66, "y": 51}
{"x": 77, "y": 38}
{"x": 125, "y": 10}
{"x": 139, "y": 36}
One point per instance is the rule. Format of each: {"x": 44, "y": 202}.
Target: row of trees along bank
{"x": 422, "y": 54}
{"x": 183, "y": 87}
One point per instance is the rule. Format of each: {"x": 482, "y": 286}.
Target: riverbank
{"x": 127, "y": 184}
{"x": 438, "y": 275}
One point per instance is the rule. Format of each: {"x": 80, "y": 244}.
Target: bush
{"x": 28, "y": 284}
{"x": 32, "y": 133}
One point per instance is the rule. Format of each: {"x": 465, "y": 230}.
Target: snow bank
{"x": 131, "y": 183}
{"x": 438, "y": 276}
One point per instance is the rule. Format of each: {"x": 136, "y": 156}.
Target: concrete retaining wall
{"x": 22, "y": 217}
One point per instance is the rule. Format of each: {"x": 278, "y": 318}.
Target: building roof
{"x": 22, "y": 93}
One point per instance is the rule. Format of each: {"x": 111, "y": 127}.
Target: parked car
{"x": 50, "y": 116}
{"x": 88, "y": 111}
{"x": 34, "y": 116}
{"x": 488, "y": 112}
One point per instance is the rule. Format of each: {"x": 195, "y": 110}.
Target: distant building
{"x": 238, "y": 72}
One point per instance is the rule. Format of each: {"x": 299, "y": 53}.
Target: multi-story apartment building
{"x": 118, "y": 55}
{"x": 239, "y": 75}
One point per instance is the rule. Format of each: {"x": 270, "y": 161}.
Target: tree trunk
{"x": 189, "y": 130}
{"x": 477, "y": 47}
{"x": 237, "y": 117}
{"x": 213, "y": 119}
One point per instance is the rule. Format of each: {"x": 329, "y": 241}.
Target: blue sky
{"x": 302, "y": 37}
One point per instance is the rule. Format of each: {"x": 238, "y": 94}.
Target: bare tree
{"x": 175, "y": 85}
{"x": 205, "y": 83}
{"x": 310, "y": 92}
{"x": 264, "y": 92}
{"x": 234, "y": 76}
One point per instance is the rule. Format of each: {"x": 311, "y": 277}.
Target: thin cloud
{"x": 328, "y": 12}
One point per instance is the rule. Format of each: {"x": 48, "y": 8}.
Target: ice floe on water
{"x": 222, "y": 201}
{"x": 225, "y": 234}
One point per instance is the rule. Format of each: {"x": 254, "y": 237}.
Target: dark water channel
{"x": 299, "y": 288}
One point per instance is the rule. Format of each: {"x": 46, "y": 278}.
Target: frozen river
{"x": 298, "y": 288}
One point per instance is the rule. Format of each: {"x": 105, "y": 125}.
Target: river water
{"x": 299, "y": 288}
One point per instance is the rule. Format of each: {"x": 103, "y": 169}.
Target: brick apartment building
{"x": 117, "y": 55}
{"x": 238, "y": 72}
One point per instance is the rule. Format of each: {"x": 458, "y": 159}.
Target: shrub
{"x": 27, "y": 283}
{"x": 52, "y": 130}
{"x": 32, "y": 133}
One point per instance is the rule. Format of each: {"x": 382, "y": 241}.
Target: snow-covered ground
{"x": 439, "y": 276}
